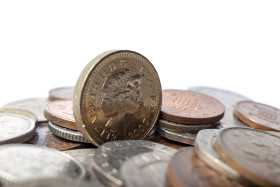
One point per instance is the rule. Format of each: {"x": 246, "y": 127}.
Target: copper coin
{"x": 189, "y": 107}
{"x": 64, "y": 93}
{"x": 186, "y": 169}
{"x": 44, "y": 137}
{"x": 258, "y": 115}
{"x": 61, "y": 113}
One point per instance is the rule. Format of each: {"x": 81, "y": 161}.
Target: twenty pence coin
{"x": 117, "y": 96}
{"x": 63, "y": 93}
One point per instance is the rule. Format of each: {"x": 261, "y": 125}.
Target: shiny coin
{"x": 15, "y": 128}
{"x": 146, "y": 169}
{"x": 253, "y": 153}
{"x": 189, "y": 107}
{"x": 109, "y": 157}
{"x": 44, "y": 137}
{"x": 178, "y": 127}
{"x": 35, "y": 106}
{"x": 258, "y": 115}
{"x": 64, "y": 93}
{"x": 19, "y": 163}
{"x": 61, "y": 113}
{"x": 68, "y": 134}
{"x": 186, "y": 138}
{"x": 20, "y": 112}
{"x": 186, "y": 169}
{"x": 117, "y": 96}
{"x": 157, "y": 138}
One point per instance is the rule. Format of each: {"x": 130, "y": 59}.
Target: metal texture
{"x": 20, "y": 112}
{"x": 63, "y": 93}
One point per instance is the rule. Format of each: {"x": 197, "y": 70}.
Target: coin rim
{"x": 21, "y": 112}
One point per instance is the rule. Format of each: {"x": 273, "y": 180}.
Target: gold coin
{"x": 117, "y": 96}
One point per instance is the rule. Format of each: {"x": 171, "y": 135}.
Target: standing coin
{"x": 64, "y": 93}
{"x": 15, "y": 128}
{"x": 19, "y": 163}
{"x": 186, "y": 169}
{"x": 117, "y": 96}
{"x": 189, "y": 107}
{"x": 109, "y": 157}
{"x": 61, "y": 113}
{"x": 258, "y": 115}
{"x": 253, "y": 153}
{"x": 35, "y": 106}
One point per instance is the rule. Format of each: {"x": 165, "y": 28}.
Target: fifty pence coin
{"x": 61, "y": 113}
{"x": 15, "y": 128}
{"x": 23, "y": 162}
{"x": 68, "y": 134}
{"x": 35, "y": 106}
{"x": 117, "y": 96}
{"x": 20, "y": 112}
{"x": 258, "y": 115}
{"x": 63, "y": 93}
{"x": 146, "y": 169}
{"x": 253, "y": 153}
{"x": 109, "y": 157}
{"x": 186, "y": 138}
{"x": 189, "y": 107}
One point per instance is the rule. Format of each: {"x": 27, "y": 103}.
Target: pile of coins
{"x": 117, "y": 127}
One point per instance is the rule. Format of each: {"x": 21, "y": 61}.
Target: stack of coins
{"x": 184, "y": 113}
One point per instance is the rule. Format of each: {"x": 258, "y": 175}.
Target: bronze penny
{"x": 61, "y": 113}
{"x": 117, "y": 96}
{"x": 258, "y": 115}
{"x": 63, "y": 93}
{"x": 44, "y": 137}
{"x": 186, "y": 169}
{"x": 189, "y": 107}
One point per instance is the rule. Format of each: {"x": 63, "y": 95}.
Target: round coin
{"x": 23, "y": 162}
{"x": 35, "y": 106}
{"x": 258, "y": 115}
{"x": 230, "y": 120}
{"x": 178, "y": 127}
{"x": 15, "y": 128}
{"x": 67, "y": 133}
{"x": 64, "y": 93}
{"x": 186, "y": 169}
{"x": 109, "y": 157}
{"x": 61, "y": 113}
{"x": 189, "y": 107}
{"x": 186, "y": 138}
{"x": 117, "y": 96}
{"x": 20, "y": 112}
{"x": 253, "y": 153}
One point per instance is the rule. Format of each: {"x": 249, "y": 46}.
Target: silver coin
{"x": 186, "y": 138}
{"x": 21, "y": 112}
{"x": 110, "y": 156}
{"x": 147, "y": 169}
{"x": 35, "y": 106}
{"x": 15, "y": 128}
{"x": 84, "y": 156}
{"x": 230, "y": 120}
{"x": 68, "y": 134}
{"x": 63, "y": 93}
{"x": 22, "y": 162}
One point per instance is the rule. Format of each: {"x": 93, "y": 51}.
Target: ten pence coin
{"x": 258, "y": 115}
{"x": 189, "y": 107}
{"x": 64, "y": 93}
{"x": 117, "y": 96}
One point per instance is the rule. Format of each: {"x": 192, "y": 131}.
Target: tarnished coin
{"x": 109, "y": 157}
{"x": 253, "y": 153}
{"x": 258, "y": 115}
{"x": 178, "y": 127}
{"x": 44, "y": 137}
{"x": 35, "y": 106}
{"x": 186, "y": 138}
{"x": 186, "y": 169}
{"x": 117, "y": 96}
{"x": 61, "y": 113}
{"x": 157, "y": 138}
{"x": 68, "y": 134}
{"x": 64, "y": 93}
{"x": 189, "y": 107}
{"x": 146, "y": 169}
{"x": 15, "y": 128}
{"x": 23, "y": 162}
{"x": 204, "y": 148}
{"x": 20, "y": 112}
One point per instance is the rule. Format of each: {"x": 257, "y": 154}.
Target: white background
{"x": 233, "y": 45}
